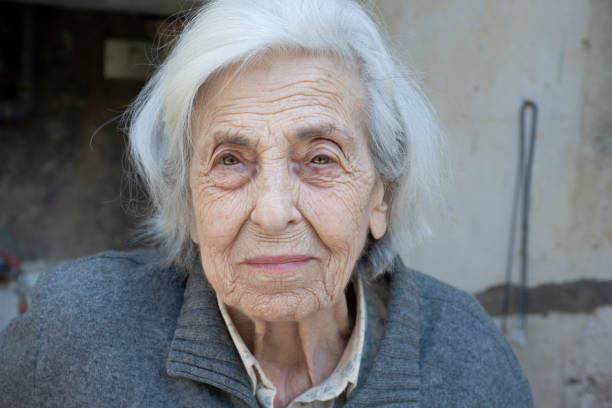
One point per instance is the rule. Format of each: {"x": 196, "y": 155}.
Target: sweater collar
{"x": 202, "y": 349}
{"x": 393, "y": 378}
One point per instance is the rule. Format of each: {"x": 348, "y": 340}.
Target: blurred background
{"x": 68, "y": 68}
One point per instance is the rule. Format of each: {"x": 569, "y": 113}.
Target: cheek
{"x": 219, "y": 214}
{"x": 338, "y": 215}
{"x": 337, "y": 218}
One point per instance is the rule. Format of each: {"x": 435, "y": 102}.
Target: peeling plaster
{"x": 583, "y": 296}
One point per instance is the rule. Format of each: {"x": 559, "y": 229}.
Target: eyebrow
{"x": 303, "y": 133}
{"x": 229, "y": 137}
{"x": 322, "y": 130}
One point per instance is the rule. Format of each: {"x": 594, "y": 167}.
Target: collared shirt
{"x": 341, "y": 381}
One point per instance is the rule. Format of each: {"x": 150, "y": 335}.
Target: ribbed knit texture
{"x": 393, "y": 379}
{"x": 202, "y": 349}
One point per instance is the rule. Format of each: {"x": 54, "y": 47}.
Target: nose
{"x": 275, "y": 200}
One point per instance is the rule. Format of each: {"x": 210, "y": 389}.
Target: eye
{"x": 230, "y": 160}
{"x": 320, "y": 159}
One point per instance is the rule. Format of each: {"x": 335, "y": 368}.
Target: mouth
{"x": 278, "y": 263}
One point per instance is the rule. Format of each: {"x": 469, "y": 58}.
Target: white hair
{"x": 404, "y": 136}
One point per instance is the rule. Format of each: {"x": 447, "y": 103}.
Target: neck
{"x": 297, "y": 355}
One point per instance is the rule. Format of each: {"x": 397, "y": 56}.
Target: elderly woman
{"x": 287, "y": 158}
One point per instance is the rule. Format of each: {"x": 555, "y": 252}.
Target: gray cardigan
{"x": 115, "y": 330}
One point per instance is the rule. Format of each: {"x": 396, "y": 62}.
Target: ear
{"x": 378, "y": 212}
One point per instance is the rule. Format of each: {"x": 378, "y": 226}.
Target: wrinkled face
{"x": 284, "y": 190}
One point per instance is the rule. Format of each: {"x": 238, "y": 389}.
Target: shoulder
{"x": 463, "y": 355}
{"x": 94, "y": 321}
{"x": 445, "y": 308}
{"x": 122, "y": 291}
{"x": 107, "y": 284}
{"x": 99, "y": 267}
{"x": 445, "y": 311}
{"x": 109, "y": 276}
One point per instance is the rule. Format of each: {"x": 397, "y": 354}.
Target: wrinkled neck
{"x": 298, "y": 355}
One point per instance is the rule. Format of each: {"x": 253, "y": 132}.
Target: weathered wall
{"x": 567, "y": 359}
{"x": 479, "y": 59}
{"x": 60, "y": 169}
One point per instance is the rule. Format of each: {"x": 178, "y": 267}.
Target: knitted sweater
{"x": 116, "y": 330}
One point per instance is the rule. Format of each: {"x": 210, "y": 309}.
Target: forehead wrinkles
{"x": 298, "y": 86}
{"x": 280, "y": 95}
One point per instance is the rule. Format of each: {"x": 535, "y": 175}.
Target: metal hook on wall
{"x": 521, "y": 204}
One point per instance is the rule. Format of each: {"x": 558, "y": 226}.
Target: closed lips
{"x": 277, "y": 259}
